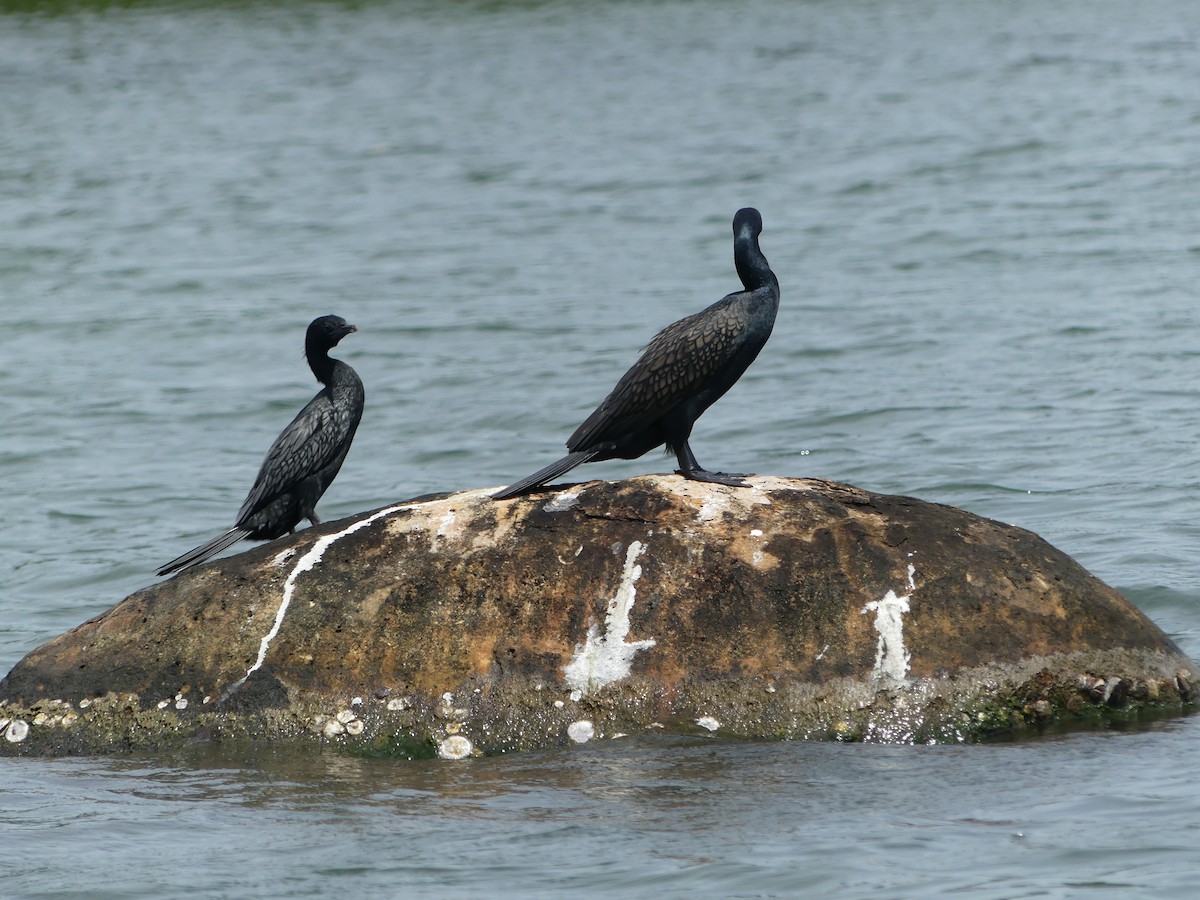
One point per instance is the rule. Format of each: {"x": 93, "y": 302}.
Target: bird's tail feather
{"x": 199, "y": 554}
{"x": 541, "y": 476}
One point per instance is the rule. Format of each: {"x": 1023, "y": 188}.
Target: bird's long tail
{"x": 541, "y": 476}
{"x": 199, "y": 554}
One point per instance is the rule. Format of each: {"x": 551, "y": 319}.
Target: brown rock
{"x": 455, "y": 624}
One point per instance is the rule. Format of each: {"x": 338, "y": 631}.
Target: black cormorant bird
{"x": 684, "y": 370}
{"x": 305, "y": 458}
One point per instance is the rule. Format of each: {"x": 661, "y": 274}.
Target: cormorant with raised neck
{"x": 686, "y": 368}
{"x": 306, "y": 456}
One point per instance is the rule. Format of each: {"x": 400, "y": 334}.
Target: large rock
{"x": 455, "y": 624}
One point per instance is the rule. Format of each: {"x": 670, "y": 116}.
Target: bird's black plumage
{"x": 686, "y": 368}
{"x": 306, "y": 456}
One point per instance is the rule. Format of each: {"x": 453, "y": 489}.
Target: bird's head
{"x": 328, "y": 330}
{"x": 747, "y": 219}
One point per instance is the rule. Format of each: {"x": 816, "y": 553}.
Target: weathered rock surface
{"x": 458, "y": 625}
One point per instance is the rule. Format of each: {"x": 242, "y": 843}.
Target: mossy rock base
{"x": 454, "y": 625}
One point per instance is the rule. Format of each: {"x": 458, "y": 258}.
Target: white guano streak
{"x": 603, "y": 659}
{"x": 305, "y": 564}
{"x": 891, "y": 659}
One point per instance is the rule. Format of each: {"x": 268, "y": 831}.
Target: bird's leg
{"x": 313, "y": 518}
{"x": 690, "y": 468}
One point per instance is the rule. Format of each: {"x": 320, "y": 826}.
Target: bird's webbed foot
{"x": 733, "y": 479}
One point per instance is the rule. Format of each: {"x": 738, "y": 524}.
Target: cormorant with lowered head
{"x": 686, "y": 368}
{"x": 306, "y": 456}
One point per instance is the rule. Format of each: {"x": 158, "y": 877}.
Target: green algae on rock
{"x": 455, "y": 625}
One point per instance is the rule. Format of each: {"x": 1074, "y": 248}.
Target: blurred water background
{"x": 984, "y": 220}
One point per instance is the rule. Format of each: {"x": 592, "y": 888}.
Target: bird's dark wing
{"x": 681, "y": 361}
{"x": 309, "y": 443}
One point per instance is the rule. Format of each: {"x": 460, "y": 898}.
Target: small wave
{"x": 1009, "y": 149}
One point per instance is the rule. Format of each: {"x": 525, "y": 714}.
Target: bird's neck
{"x": 320, "y": 362}
{"x": 752, "y": 266}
